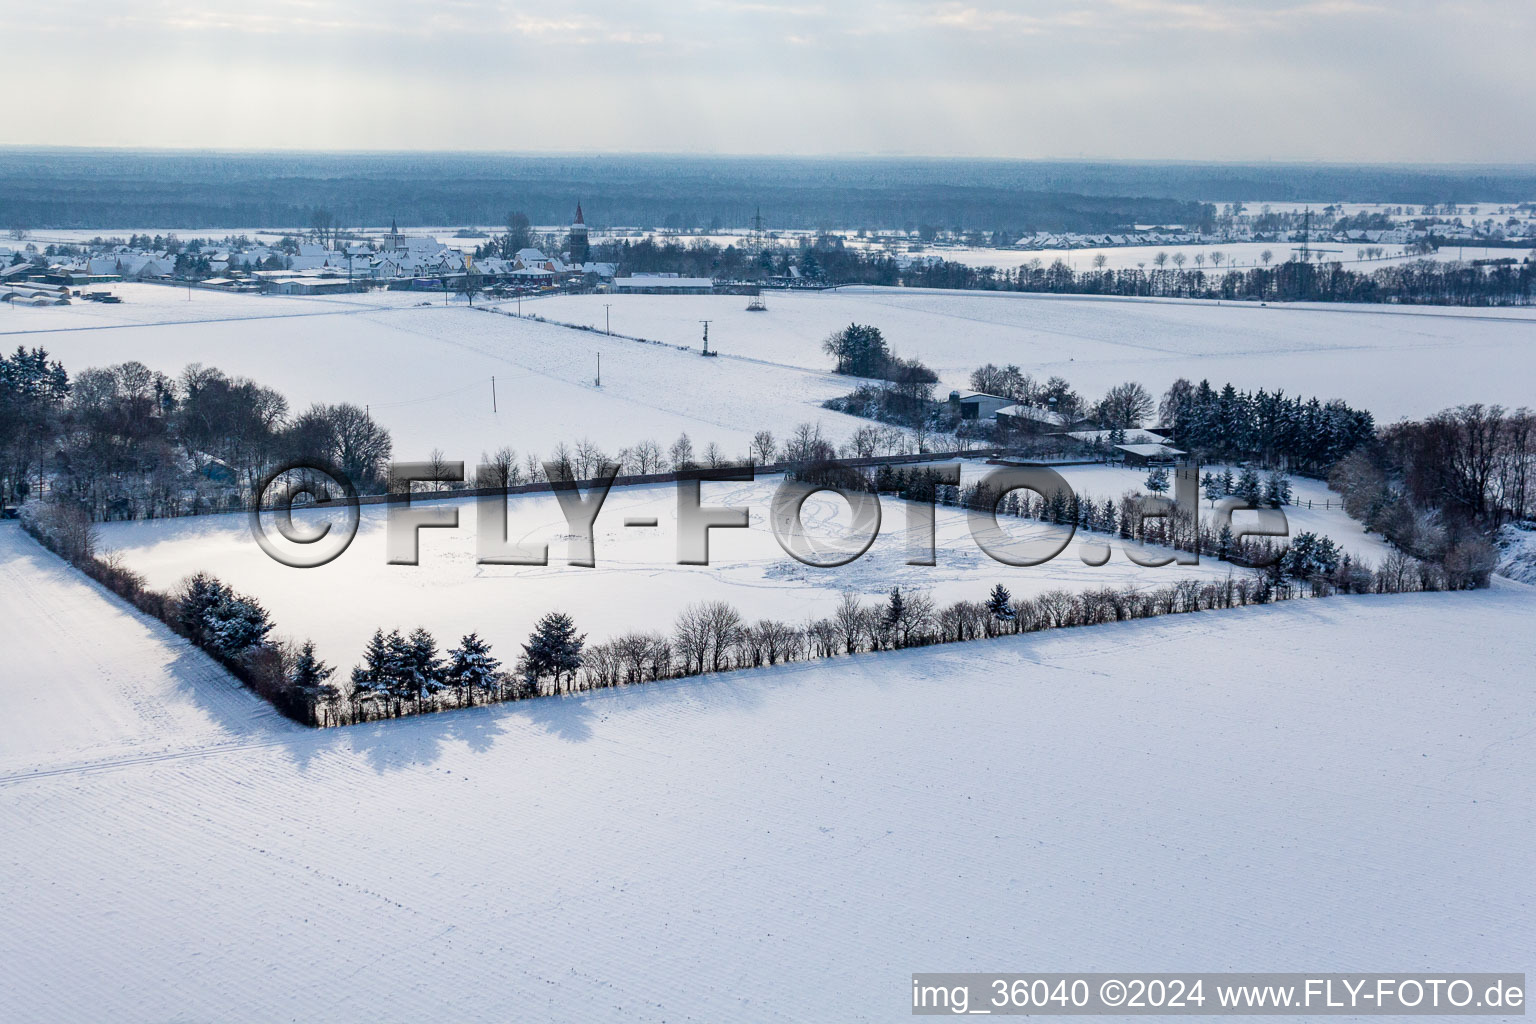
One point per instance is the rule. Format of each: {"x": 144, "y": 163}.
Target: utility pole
{"x": 706, "y": 336}
{"x": 493, "y": 393}
{"x": 607, "y": 322}
{"x": 599, "y": 380}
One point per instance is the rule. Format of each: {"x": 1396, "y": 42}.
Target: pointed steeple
{"x": 579, "y": 219}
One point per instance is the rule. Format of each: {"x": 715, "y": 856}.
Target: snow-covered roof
{"x": 1151, "y": 451}
{"x": 640, "y": 281}
{"x": 1133, "y": 435}
{"x": 1029, "y": 412}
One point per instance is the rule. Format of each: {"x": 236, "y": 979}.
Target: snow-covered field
{"x": 1372, "y": 356}
{"x": 637, "y": 583}
{"x": 425, "y": 371}
{"x": 87, "y": 679}
{"x": 1316, "y": 785}
{"x": 155, "y": 304}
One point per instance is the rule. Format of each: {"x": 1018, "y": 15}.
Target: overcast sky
{"x": 1344, "y": 80}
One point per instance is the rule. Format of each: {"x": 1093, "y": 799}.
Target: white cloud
{"x": 1216, "y": 79}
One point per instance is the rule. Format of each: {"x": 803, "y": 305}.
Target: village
{"x": 327, "y": 260}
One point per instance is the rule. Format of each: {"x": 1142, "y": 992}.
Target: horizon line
{"x": 1529, "y": 166}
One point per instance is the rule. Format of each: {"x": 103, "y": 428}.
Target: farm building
{"x": 310, "y": 286}
{"x": 1149, "y": 454}
{"x": 1131, "y": 435}
{"x": 976, "y": 405}
{"x": 663, "y": 284}
{"x": 1029, "y": 417}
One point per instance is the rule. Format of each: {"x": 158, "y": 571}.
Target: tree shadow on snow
{"x": 393, "y": 744}
{"x": 568, "y": 718}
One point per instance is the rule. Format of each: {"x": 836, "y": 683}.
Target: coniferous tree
{"x": 1224, "y": 542}
{"x": 395, "y": 674}
{"x": 890, "y": 618}
{"x": 199, "y": 594}
{"x": 1310, "y": 557}
{"x": 1000, "y": 604}
{"x": 424, "y": 669}
{"x": 1248, "y": 486}
{"x": 310, "y": 680}
{"x": 368, "y": 678}
{"x": 554, "y": 649}
{"x": 471, "y": 667}
{"x": 310, "y": 673}
{"x": 234, "y": 625}
{"x": 1277, "y": 490}
{"x": 1211, "y": 486}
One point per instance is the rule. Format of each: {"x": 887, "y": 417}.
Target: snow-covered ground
{"x": 87, "y": 679}
{"x": 153, "y": 304}
{"x": 1372, "y": 356}
{"x": 1517, "y": 552}
{"x": 1316, "y": 785}
{"x": 425, "y": 372}
{"x": 637, "y": 583}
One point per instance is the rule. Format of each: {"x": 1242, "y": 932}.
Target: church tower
{"x": 576, "y": 244}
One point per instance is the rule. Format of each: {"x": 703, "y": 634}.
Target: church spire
{"x": 579, "y": 219}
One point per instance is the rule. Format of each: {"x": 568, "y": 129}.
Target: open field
{"x": 1372, "y": 356}
{"x": 425, "y": 371}
{"x": 88, "y": 679}
{"x": 637, "y": 583}
{"x": 1228, "y": 791}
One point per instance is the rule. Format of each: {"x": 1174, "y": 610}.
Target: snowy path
{"x": 1321, "y": 785}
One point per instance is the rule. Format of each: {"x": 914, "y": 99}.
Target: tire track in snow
{"x": 109, "y": 764}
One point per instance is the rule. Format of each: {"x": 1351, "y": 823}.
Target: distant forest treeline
{"x": 828, "y": 262}
{"x": 116, "y": 189}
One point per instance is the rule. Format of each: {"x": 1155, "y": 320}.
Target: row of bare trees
{"x": 713, "y": 636}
